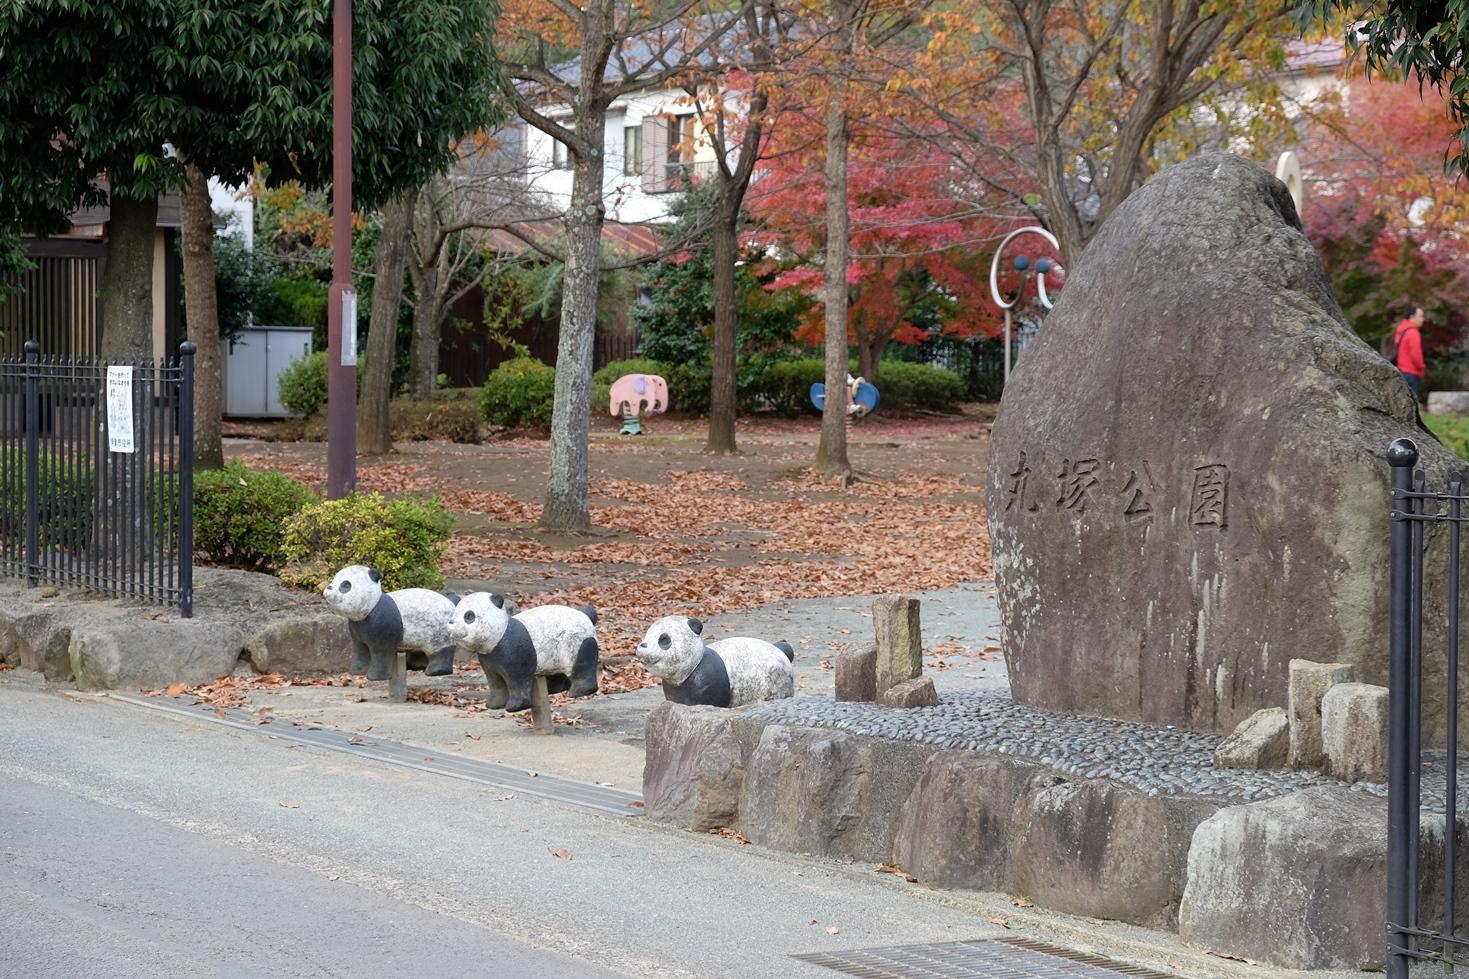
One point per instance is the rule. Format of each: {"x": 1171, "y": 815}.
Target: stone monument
{"x": 1187, "y": 483}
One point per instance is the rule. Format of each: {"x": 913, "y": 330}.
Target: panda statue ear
{"x": 696, "y": 627}
{"x": 374, "y": 574}
{"x": 499, "y": 602}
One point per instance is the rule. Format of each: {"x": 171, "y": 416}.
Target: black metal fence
{"x": 96, "y": 475}
{"x": 1417, "y": 931}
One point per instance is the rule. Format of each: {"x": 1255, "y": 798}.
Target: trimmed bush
{"x": 435, "y": 420}
{"x": 906, "y": 385}
{"x": 289, "y": 300}
{"x": 402, "y": 538}
{"x": 240, "y": 516}
{"x": 64, "y": 506}
{"x": 786, "y": 384}
{"x": 519, "y": 394}
{"x": 303, "y": 385}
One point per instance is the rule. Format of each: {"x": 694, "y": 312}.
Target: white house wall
{"x": 625, "y": 199}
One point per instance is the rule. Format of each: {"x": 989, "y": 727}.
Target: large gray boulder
{"x": 826, "y": 792}
{"x": 1187, "y": 483}
{"x": 954, "y": 831}
{"x": 696, "y": 765}
{"x": 1099, "y": 849}
{"x": 1316, "y": 859}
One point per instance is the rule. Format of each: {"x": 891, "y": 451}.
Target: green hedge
{"x": 240, "y": 516}
{"x": 519, "y": 393}
{"x": 906, "y": 385}
{"x": 65, "y": 506}
{"x": 786, "y": 385}
{"x": 303, "y": 385}
{"x": 436, "y": 419}
{"x": 403, "y": 538}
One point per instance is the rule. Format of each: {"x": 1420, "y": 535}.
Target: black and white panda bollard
{"x": 385, "y": 627}
{"x": 554, "y": 646}
{"x": 727, "y": 673}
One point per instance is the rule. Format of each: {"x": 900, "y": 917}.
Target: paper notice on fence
{"x": 120, "y": 409}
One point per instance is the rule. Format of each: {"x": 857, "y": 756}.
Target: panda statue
{"x": 726, "y": 673}
{"x": 414, "y": 619}
{"x": 554, "y": 641}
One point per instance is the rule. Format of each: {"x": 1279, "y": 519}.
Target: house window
{"x": 632, "y": 151}
{"x": 680, "y": 139}
{"x": 560, "y": 155}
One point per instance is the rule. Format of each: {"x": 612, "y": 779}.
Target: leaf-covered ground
{"x": 679, "y": 532}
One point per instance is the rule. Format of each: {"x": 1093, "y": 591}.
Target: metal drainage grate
{"x": 999, "y": 958}
{"x": 603, "y": 798}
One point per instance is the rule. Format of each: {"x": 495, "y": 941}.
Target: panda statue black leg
{"x": 382, "y": 661}
{"x": 497, "y": 693}
{"x": 440, "y": 663}
{"x": 519, "y": 694}
{"x": 556, "y": 683}
{"x": 361, "y": 655}
{"x": 586, "y": 669}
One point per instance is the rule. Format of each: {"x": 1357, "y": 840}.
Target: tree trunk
{"x": 722, "y": 394}
{"x": 831, "y": 452}
{"x": 201, "y": 307}
{"x": 567, "y": 508}
{"x": 127, "y": 280}
{"x": 374, "y": 431}
{"x": 867, "y": 358}
{"x": 423, "y": 371}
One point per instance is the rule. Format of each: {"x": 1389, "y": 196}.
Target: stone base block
{"x": 856, "y": 674}
{"x": 1261, "y": 741}
{"x": 911, "y": 693}
{"x": 1354, "y": 732}
{"x": 1309, "y": 683}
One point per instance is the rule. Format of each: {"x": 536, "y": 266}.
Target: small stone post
{"x": 540, "y": 709}
{"x": 899, "y": 641}
{"x": 398, "y": 678}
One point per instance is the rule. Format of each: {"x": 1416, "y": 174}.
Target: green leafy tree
{"x": 138, "y": 90}
{"x": 1420, "y": 39}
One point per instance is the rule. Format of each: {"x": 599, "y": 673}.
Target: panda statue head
{"x": 354, "y": 591}
{"x": 479, "y": 621}
{"x": 672, "y": 648}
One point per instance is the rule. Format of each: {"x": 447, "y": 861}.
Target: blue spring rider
{"x": 862, "y": 397}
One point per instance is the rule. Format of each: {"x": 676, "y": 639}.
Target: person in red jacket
{"x": 1408, "y": 343}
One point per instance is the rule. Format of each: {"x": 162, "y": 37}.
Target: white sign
{"x": 349, "y": 328}
{"x": 120, "y": 409}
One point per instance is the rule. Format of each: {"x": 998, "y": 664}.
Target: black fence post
{"x": 187, "y": 350}
{"x": 1402, "y": 456}
{"x": 33, "y": 462}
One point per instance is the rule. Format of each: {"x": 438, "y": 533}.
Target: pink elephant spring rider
{"x": 633, "y": 393}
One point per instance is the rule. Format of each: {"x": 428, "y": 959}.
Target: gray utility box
{"x": 253, "y": 368}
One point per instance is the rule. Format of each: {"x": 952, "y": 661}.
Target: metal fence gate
{"x": 96, "y": 474}
{"x": 1417, "y": 932}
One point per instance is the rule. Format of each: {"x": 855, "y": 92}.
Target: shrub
{"x": 519, "y": 393}
{"x": 240, "y": 516}
{"x": 292, "y": 301}
{"x": 435, "y": 420}
{"x": 1452, "y": 431}
{"x": 64, "y": 506}
{"x": 786, "y": 384}
{"x": 303, "y": 385}
{"x": 906, "y": 385}
{"x": 402, "y": 538}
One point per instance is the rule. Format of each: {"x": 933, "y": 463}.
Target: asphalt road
{"x": 92, "y": 890}
{"x": 138, "y": 844}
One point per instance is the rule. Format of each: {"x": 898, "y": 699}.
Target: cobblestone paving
{"x": 1155, "y": 760}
